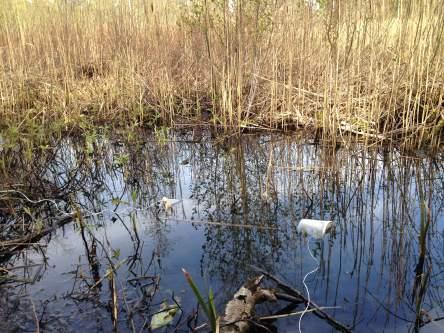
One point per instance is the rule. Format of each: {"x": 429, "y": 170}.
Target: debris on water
{"x": 168, "y": 203}
{"x": 266, "y": 197}
{"x": 314, "y": 228}
{"x": 225, "y": 213}
{"x": 165, "y": 316}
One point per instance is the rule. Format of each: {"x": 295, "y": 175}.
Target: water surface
{"x": 239, "y": 201}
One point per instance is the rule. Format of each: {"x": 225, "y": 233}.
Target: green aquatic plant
{"x": 121, "y": 160}
{"x": 161, "y": 134}
{"x": 207, "y": 306}
{"x": 90, "y": 139}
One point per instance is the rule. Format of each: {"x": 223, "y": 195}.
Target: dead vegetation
{"x": 299, "y": 179}
{"x": 372, "y": 69}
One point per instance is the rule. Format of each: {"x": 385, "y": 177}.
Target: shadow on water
{"x": 99, "y": 253}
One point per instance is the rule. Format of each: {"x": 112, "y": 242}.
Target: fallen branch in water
{"x": 433, "y": 321}
{"x": 9, "y": 247}
{"x": 316, "y": 309}
{"x": 296, "y": 313}
{"x": 222, "y": 224}
{"x": 239, "y": 311}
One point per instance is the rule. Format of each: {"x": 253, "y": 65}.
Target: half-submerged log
{"x": 240, "y": 310}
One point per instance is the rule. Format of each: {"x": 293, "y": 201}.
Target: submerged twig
{"x": 316, "y": 308}
{"x": 222, "y": 224}
{"x": 297, "y": 313}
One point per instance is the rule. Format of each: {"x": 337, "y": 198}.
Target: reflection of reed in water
{"x": 374, "y": 198}
{"x": 382, "y": 255}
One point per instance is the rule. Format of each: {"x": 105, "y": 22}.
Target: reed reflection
{"x": 241, "y": 200}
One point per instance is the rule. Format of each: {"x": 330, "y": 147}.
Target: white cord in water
{"x": 305, "y": 285}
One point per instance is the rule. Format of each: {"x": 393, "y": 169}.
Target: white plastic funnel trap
{"x": 314, "y": 228}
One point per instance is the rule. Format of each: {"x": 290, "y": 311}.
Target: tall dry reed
{"x": 371, "y": 68}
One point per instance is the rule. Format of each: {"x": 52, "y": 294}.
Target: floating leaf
{"x": 38, "y": 226}
{"x": 116, "y": 254}
{"x": 27, "y": 211}
{"x": 116, "y": 202}
{"x": 164, "y": 317}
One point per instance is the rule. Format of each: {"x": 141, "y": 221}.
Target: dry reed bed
{"x": 373, "y": 68}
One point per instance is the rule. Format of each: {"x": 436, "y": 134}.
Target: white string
{"x": 305, "y": 285}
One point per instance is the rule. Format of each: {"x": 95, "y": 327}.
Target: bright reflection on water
{"x": 240, "y": 202}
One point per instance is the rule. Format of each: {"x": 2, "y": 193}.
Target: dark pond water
{"x": 238, "y": 204}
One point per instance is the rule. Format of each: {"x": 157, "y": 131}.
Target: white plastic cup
{"x": 314, "y": 228}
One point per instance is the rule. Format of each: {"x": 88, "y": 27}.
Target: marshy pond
{"x": 108, "y": 256}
